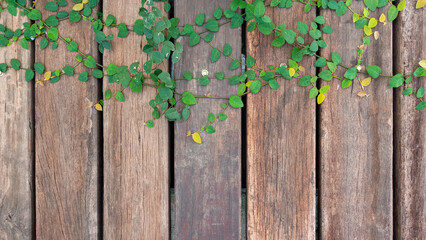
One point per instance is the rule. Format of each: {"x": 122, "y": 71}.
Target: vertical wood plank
{"x": 410, "y": 141}
{"x": 356, "y": 138}
{"x": 67, "y": 141}
{"x": 207, "y": 175}
{"x": 280, "y": 143}
{"x": 136, "y": 167}
{"x": 16, "y": 140}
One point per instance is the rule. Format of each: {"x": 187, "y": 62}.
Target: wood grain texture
{"x": 280, "y": 143}
{"x": 208, "y": 175}
{"x": 67, "y": 141}
{"x": 410, "y": 139}
{"x": 136, "y": 159}
{"x": 16, "y": 140}
{"x": 356, "y": 138}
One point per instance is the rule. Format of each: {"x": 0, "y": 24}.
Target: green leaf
{"x": 150, "y": 124}
{"x": 222, "y": 117}
{"x": 120, "y": 97}
{"x": 305, "y": 81}
{"x": 39, "y": 68}
{"x": 219, "y": 75}
{"x": 420, "y": 92}
{"x": 165, "y": 93}
{"x": 315, "y": 33}
{"x": 408, "y": 91}
{"x": 53, "y": 33}
{"x": 218, "y": 13}
{"x": 29, "y": 75}
{"x": 34, "y": 14}
{"x": 194, "y": 39}
{"x": 51, "y": 6}
{"x": 188, "y": 98}
{"x": 421, "y": 106}
{"x": 420, "y": 72}
{"x": 211, "y": 117}
{"x": 313, "y": 93}
{"x": 396, "y": 81}
{"x": 227, "y": 50}
{"x": 324, "y": 89}
{"x": 327, "y": 29}
{"x": 72, "y": 46}
{"x": 321, "y": 62}
{"x": 210, "y": 129}
{"x": 185, "y": 113}
{"x": 250, "y": 61}
{"x": 212, "y": 25}
{"x": 319, "y": 20}
{"x": 108, "y": 94}
{"x": 273, "y": 84}
{"x": 43, "y": 43}
{"x": 97, "y": 73}
{"x": 325, "y": 75}
{"x": 123, "y": 32}
{"x": 236, "y": 102}
{"x": 235, "y": 64}
{"x": 15, "y": 63}
{"x": 215, "y": 55}
{"x": 110, "y": 20}
{"x": 303, "y": 27}
{"x": 24, "y": 44}
{"x": 259, "y": 9}
{"x": 392, "y": 13}
{"x": 3, "y": 67}
{"x": 187, "y": 75}
{"x": 336, "y": 58}
{"x": 278, "y": 41}
{"x": 84, "y": 76}
{"x": 351, "y": 73}
{"x": 52, "y": 21}
{"x": 90, "y": 62}
{"x": 346, "y": 83}
{"x": 204, "y": 81}
{"x": 255, "y": 86}
{"x": 374, "y": 71}
{"x": 371, "y": 4}
{"x": 199, "y": 19}
{"x": 68, "y": 70}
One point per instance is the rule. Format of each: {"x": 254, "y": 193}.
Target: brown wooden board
{"x": 410, "y": 125}
{"x": 207, "y": 175}
{"x": 67, "y": 140}
{"x": 280, "y": 142}
{"x": 16, "y": 140}
{"x": 136, "y": 159}
{"x": 356, "y": 138}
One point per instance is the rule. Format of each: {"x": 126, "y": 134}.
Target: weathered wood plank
{"x": 356, "y": 138}
{"x": 410, "y": 140}
{"x": 136, "y": 159}
{"x": 280, "y": 143}
{"x": 16, "y": 141}
{"x": 67, "y": 141}
{"x": 207, "y": 175}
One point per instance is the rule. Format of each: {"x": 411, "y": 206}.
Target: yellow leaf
{"x": 320, "y": 98}
{"x": 362, "y": 93}
{"x": 78, "y": 7}
{"x": 196, "y": 137}
{"x": 366, "y": 13}
{"x": 85, "y": 1}
{"x": 366, "y": 82}
{"x": 47, "y": 75}
{"x": 248, "y": 84}
{"x": 367, "y": 30}
{"x": 376, "y": 35}
{"x": 355, "y": 17}
{"x": 382, "y": 18}
{"x": 372, "y": 23}
{"x": 291, "y": 71}
{"x": 188, "y": 134}
{"x": 302, "y": 69}
{"x": 401, "y": 5}
{"x": 98, "y": 107}
{"x": 420, "y": 3}
{"x": 422, "y": 64}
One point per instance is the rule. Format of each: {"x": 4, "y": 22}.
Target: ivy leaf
{"x": 188, "y": 98}
{"x": 346, "y": 83}
{"x": 165, "y": 93}
{"x": 53, "y": 33}
{"x": 84, "y": 76}
{"x": 227, "y": 50}
{"x": 396, "y": 81}
{"x": 199, "y": 19}
{"x": 51, "y": 6}
{"x": 303, "y": 27}
{"x": 29, "y": 75}
{"x": 236, "y": 102}
{"x": 15, "y": 63}
{"x": 273, "y": 84}
{"x": 408, "y": 91}
{"x": 325, "y": 75}
{"x": 119, "y": 96}
{"x": 212, "y": 25}
{"x": 351, "y": 73}
{"x": 194, "y": 39}
{"x": 34, "y": 14}
{"x": 222, "y": 117}
{"x": 259, "y": 9}
{"x": 336, "y": 58}
{"x": 110, "y": 20}
{"x": 187, "y": 75}
{"x": 68, "y": 70}
{"x": 371, "y": 4}
{"x": 210, "y": 129}
{"x": 215, "y": 55}
{"x": 78, "y": 7}
{"x": 320, "y": 98}
{"x": 196, "y": 137}
{"x": 122, "y": 31}
{"x": 374, "y": 71}
{"x": 420, "y": 4}
{"x": 39, "y": 68}
{"x": 255, "y": 86}
{"x": 420, "y": 92}
{"x": 211, "y": 117}
{"x": 421, "y": 106}
{"x": 90, "y": 62}
{"x": 392, "y": 13}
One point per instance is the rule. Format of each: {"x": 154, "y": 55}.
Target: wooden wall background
{"x": 349, "y": 169}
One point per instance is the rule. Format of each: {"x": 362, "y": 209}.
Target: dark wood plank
{"x": 136, "y": 167}
{"x": 16, "y": 141}
{"x": 67, "y": 141}
{"x": 280, "y": 143}
{"x": 356, "y": 138}
{"x": 207, "y": 175}
{"x": 410, "y": 140}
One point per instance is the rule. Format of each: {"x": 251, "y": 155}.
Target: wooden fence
{"x": 350, "y": 168}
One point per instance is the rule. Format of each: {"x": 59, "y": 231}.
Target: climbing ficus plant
{"x": 162, "y": 32}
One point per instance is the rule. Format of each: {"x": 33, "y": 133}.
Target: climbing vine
{"x": 161, "y": 34}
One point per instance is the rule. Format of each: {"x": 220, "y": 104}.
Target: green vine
{"x": 161, "y": 34}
